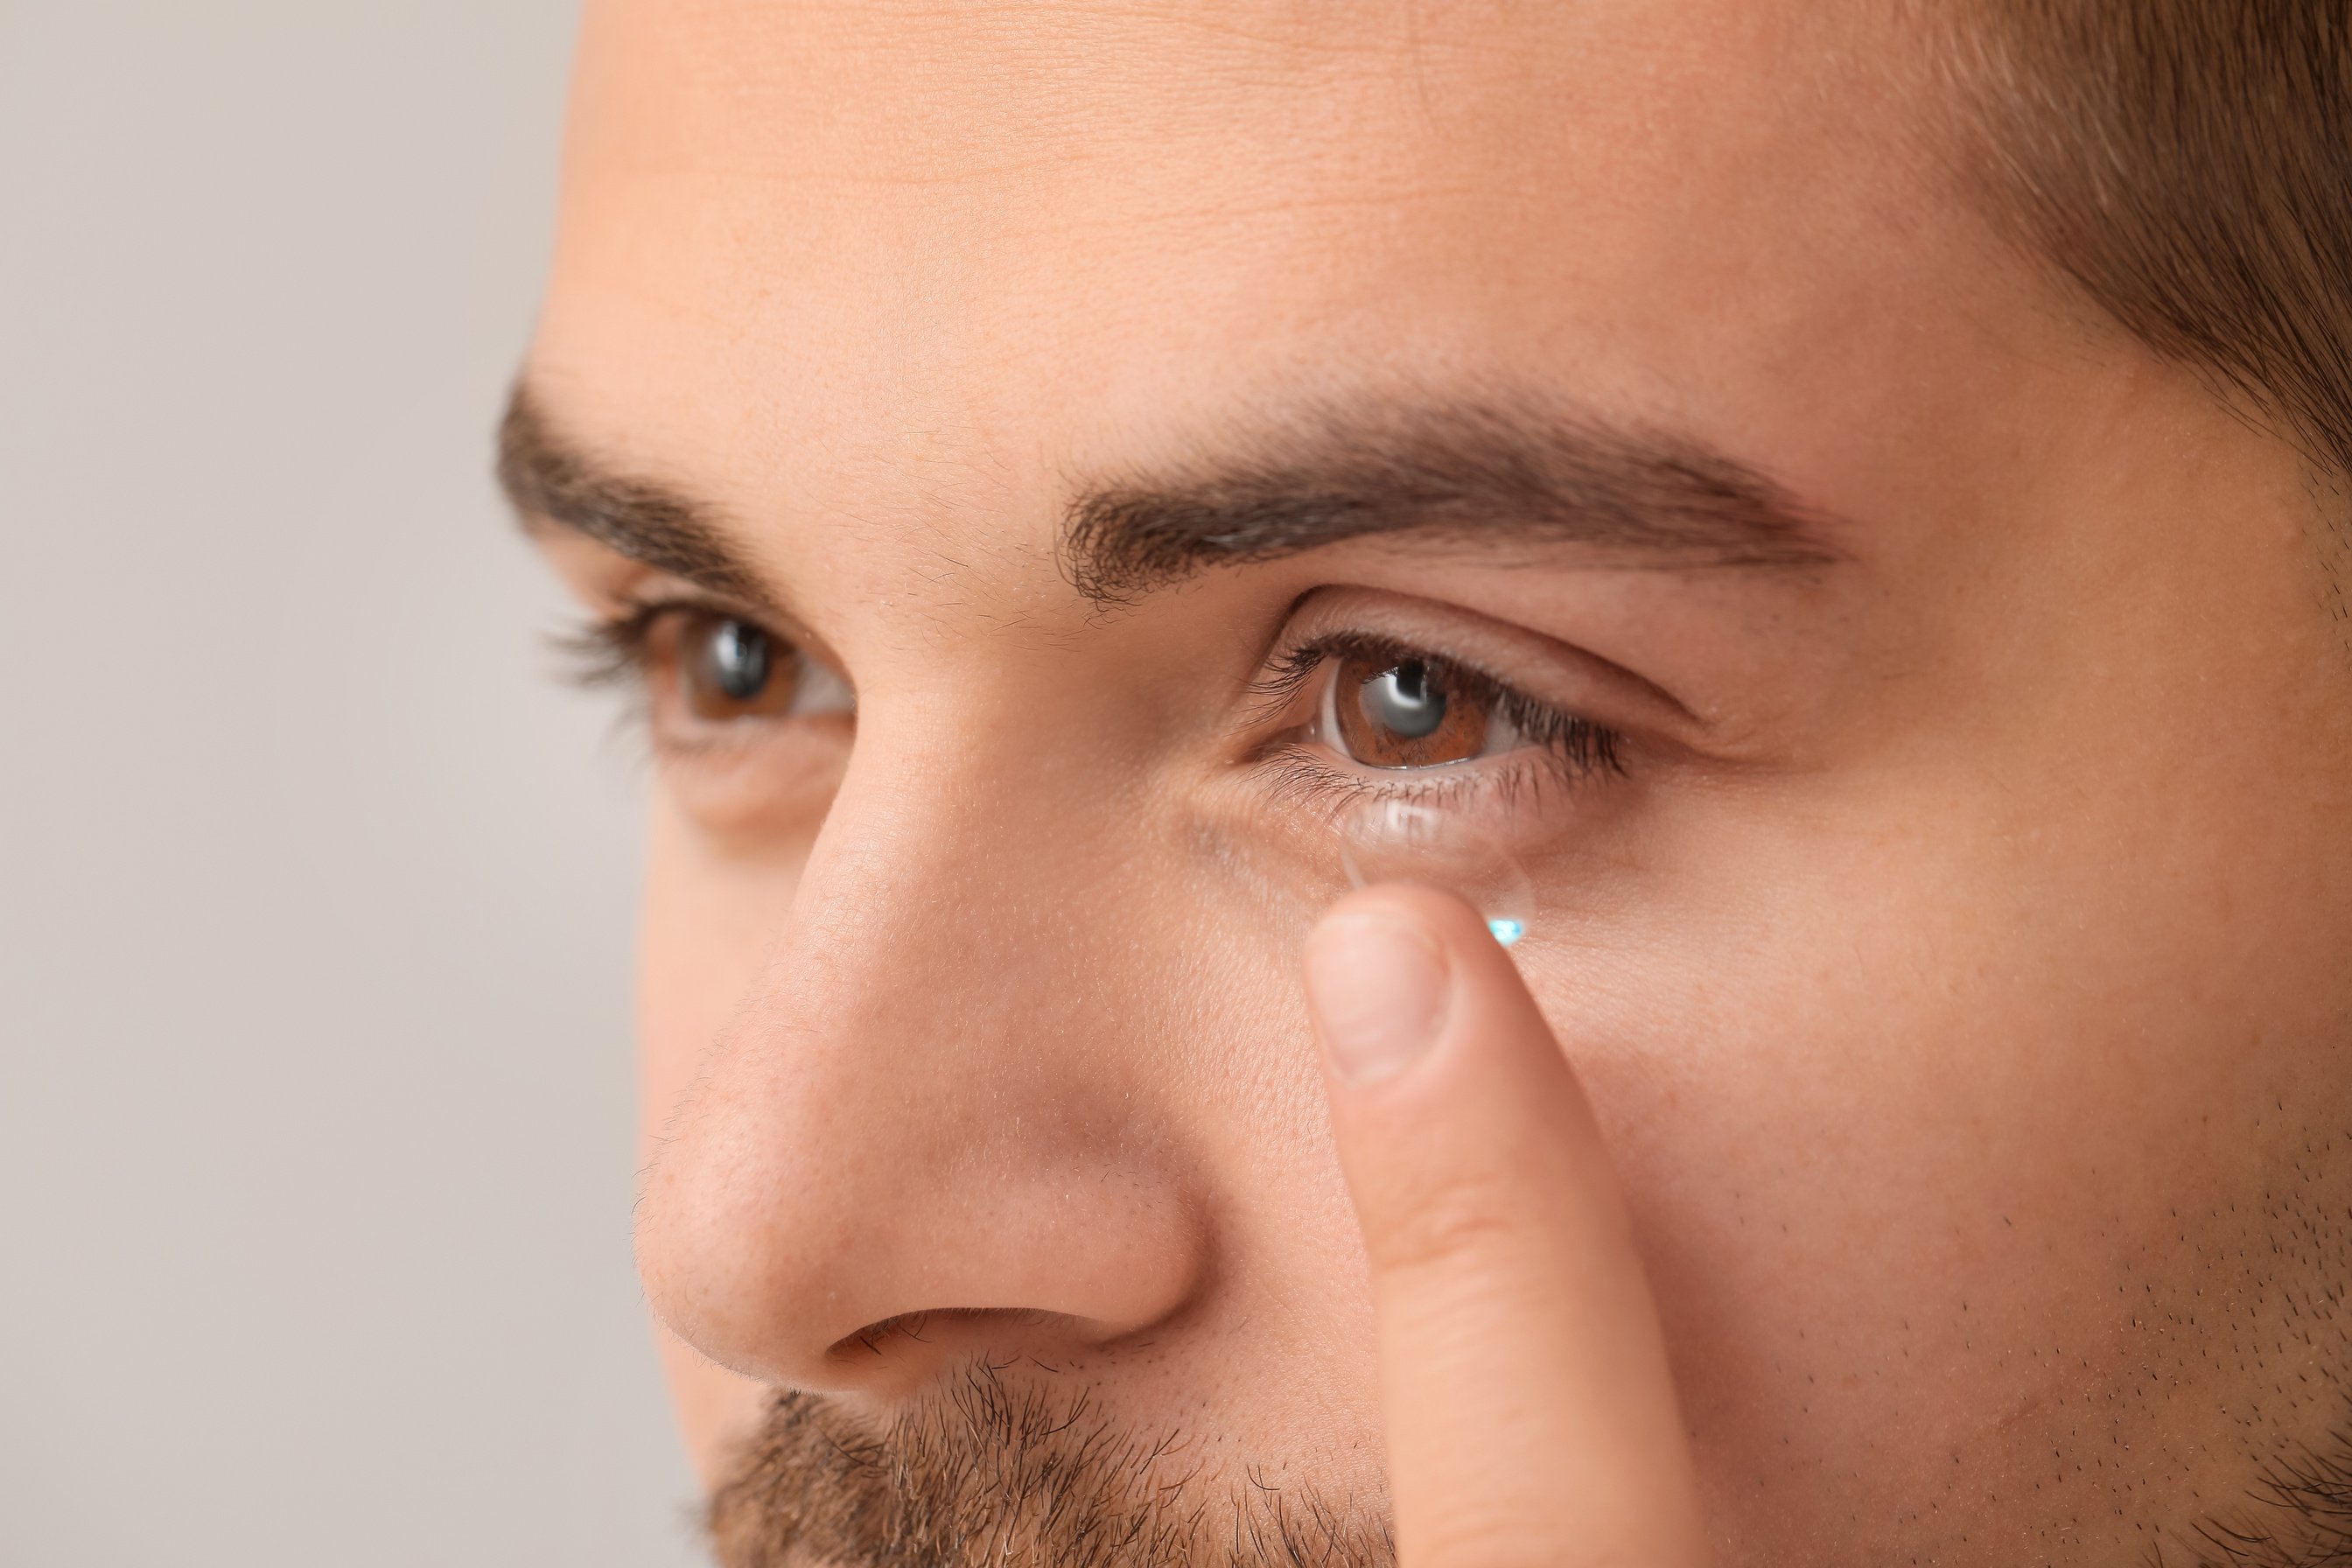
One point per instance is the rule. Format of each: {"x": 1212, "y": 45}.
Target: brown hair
{"x": 2187, "y": 165}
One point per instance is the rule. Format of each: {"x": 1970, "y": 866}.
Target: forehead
{"x": 928, "y": 261}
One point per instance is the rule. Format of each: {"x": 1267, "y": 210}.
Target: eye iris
{"x": 739, "y": 660}
{"x": 1402, "y": 700}
{"x": 731, "y": 668}
{"x": 1409, "y": 713}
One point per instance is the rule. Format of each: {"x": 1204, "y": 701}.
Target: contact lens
{"x": 1392, "y": 841}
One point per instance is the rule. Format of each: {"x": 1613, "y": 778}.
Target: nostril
{"x": 933, "y": 1329}
{"x": 872, "y": 1339}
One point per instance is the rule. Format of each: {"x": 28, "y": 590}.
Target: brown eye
{"x": 729, "y": 669}
{"x": 1409, "y": 713}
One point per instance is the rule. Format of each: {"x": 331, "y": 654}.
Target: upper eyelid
{"x": 639, "y": 604}
{"x": 643, "y": 607}
{"x": 1302, "y": 660}
{"x": 650, "y": 589}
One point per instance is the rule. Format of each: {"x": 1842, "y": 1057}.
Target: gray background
{"x": 314, "y": 893}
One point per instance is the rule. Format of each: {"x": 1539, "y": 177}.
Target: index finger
{"x": 1530, "y": 1414}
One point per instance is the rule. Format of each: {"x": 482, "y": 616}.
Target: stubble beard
{"x": 988, "y": 1472}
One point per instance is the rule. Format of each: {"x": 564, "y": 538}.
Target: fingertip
{"x": 1444, "y": 916}
{"x": 1379, "y": 985}
{"x": 1390, "y": 967}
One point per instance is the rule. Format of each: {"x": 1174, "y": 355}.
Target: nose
{"x": 931, "y": 1110}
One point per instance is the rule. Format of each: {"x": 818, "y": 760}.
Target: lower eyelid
{"x": 1309, "y": 778}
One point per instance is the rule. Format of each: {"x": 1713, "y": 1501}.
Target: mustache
{"x": 981, "y": 1472}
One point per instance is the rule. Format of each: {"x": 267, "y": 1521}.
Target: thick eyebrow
{"x": 549, "y": 480}
{"x": 1481, "y": 472}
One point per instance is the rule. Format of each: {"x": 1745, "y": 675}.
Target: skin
{"x": 1950, "y": 985}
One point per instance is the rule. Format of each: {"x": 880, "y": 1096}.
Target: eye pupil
{"x": 741, "y": 659}
{"x": 1403, "y": 700}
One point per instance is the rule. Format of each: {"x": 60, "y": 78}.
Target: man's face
{"x": 1918, "y": 715}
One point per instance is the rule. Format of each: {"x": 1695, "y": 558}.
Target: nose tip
{"x": 927, "y": 1101}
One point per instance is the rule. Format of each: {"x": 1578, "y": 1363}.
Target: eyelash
{"x": 615, "y": 650}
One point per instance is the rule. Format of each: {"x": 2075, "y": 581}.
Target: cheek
{"x": 710, "y": 926}
{"x": 1941, "y": 1141}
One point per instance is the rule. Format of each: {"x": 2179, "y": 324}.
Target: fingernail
{"x": 1377, "y": 983}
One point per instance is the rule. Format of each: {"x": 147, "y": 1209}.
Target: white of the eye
{"x": 1502, "y": 735}
{"x": 821, "y": 690}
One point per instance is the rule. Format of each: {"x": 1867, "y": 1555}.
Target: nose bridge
{"x": 925, "y": 1105}
{"x": 941, "y": 871}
